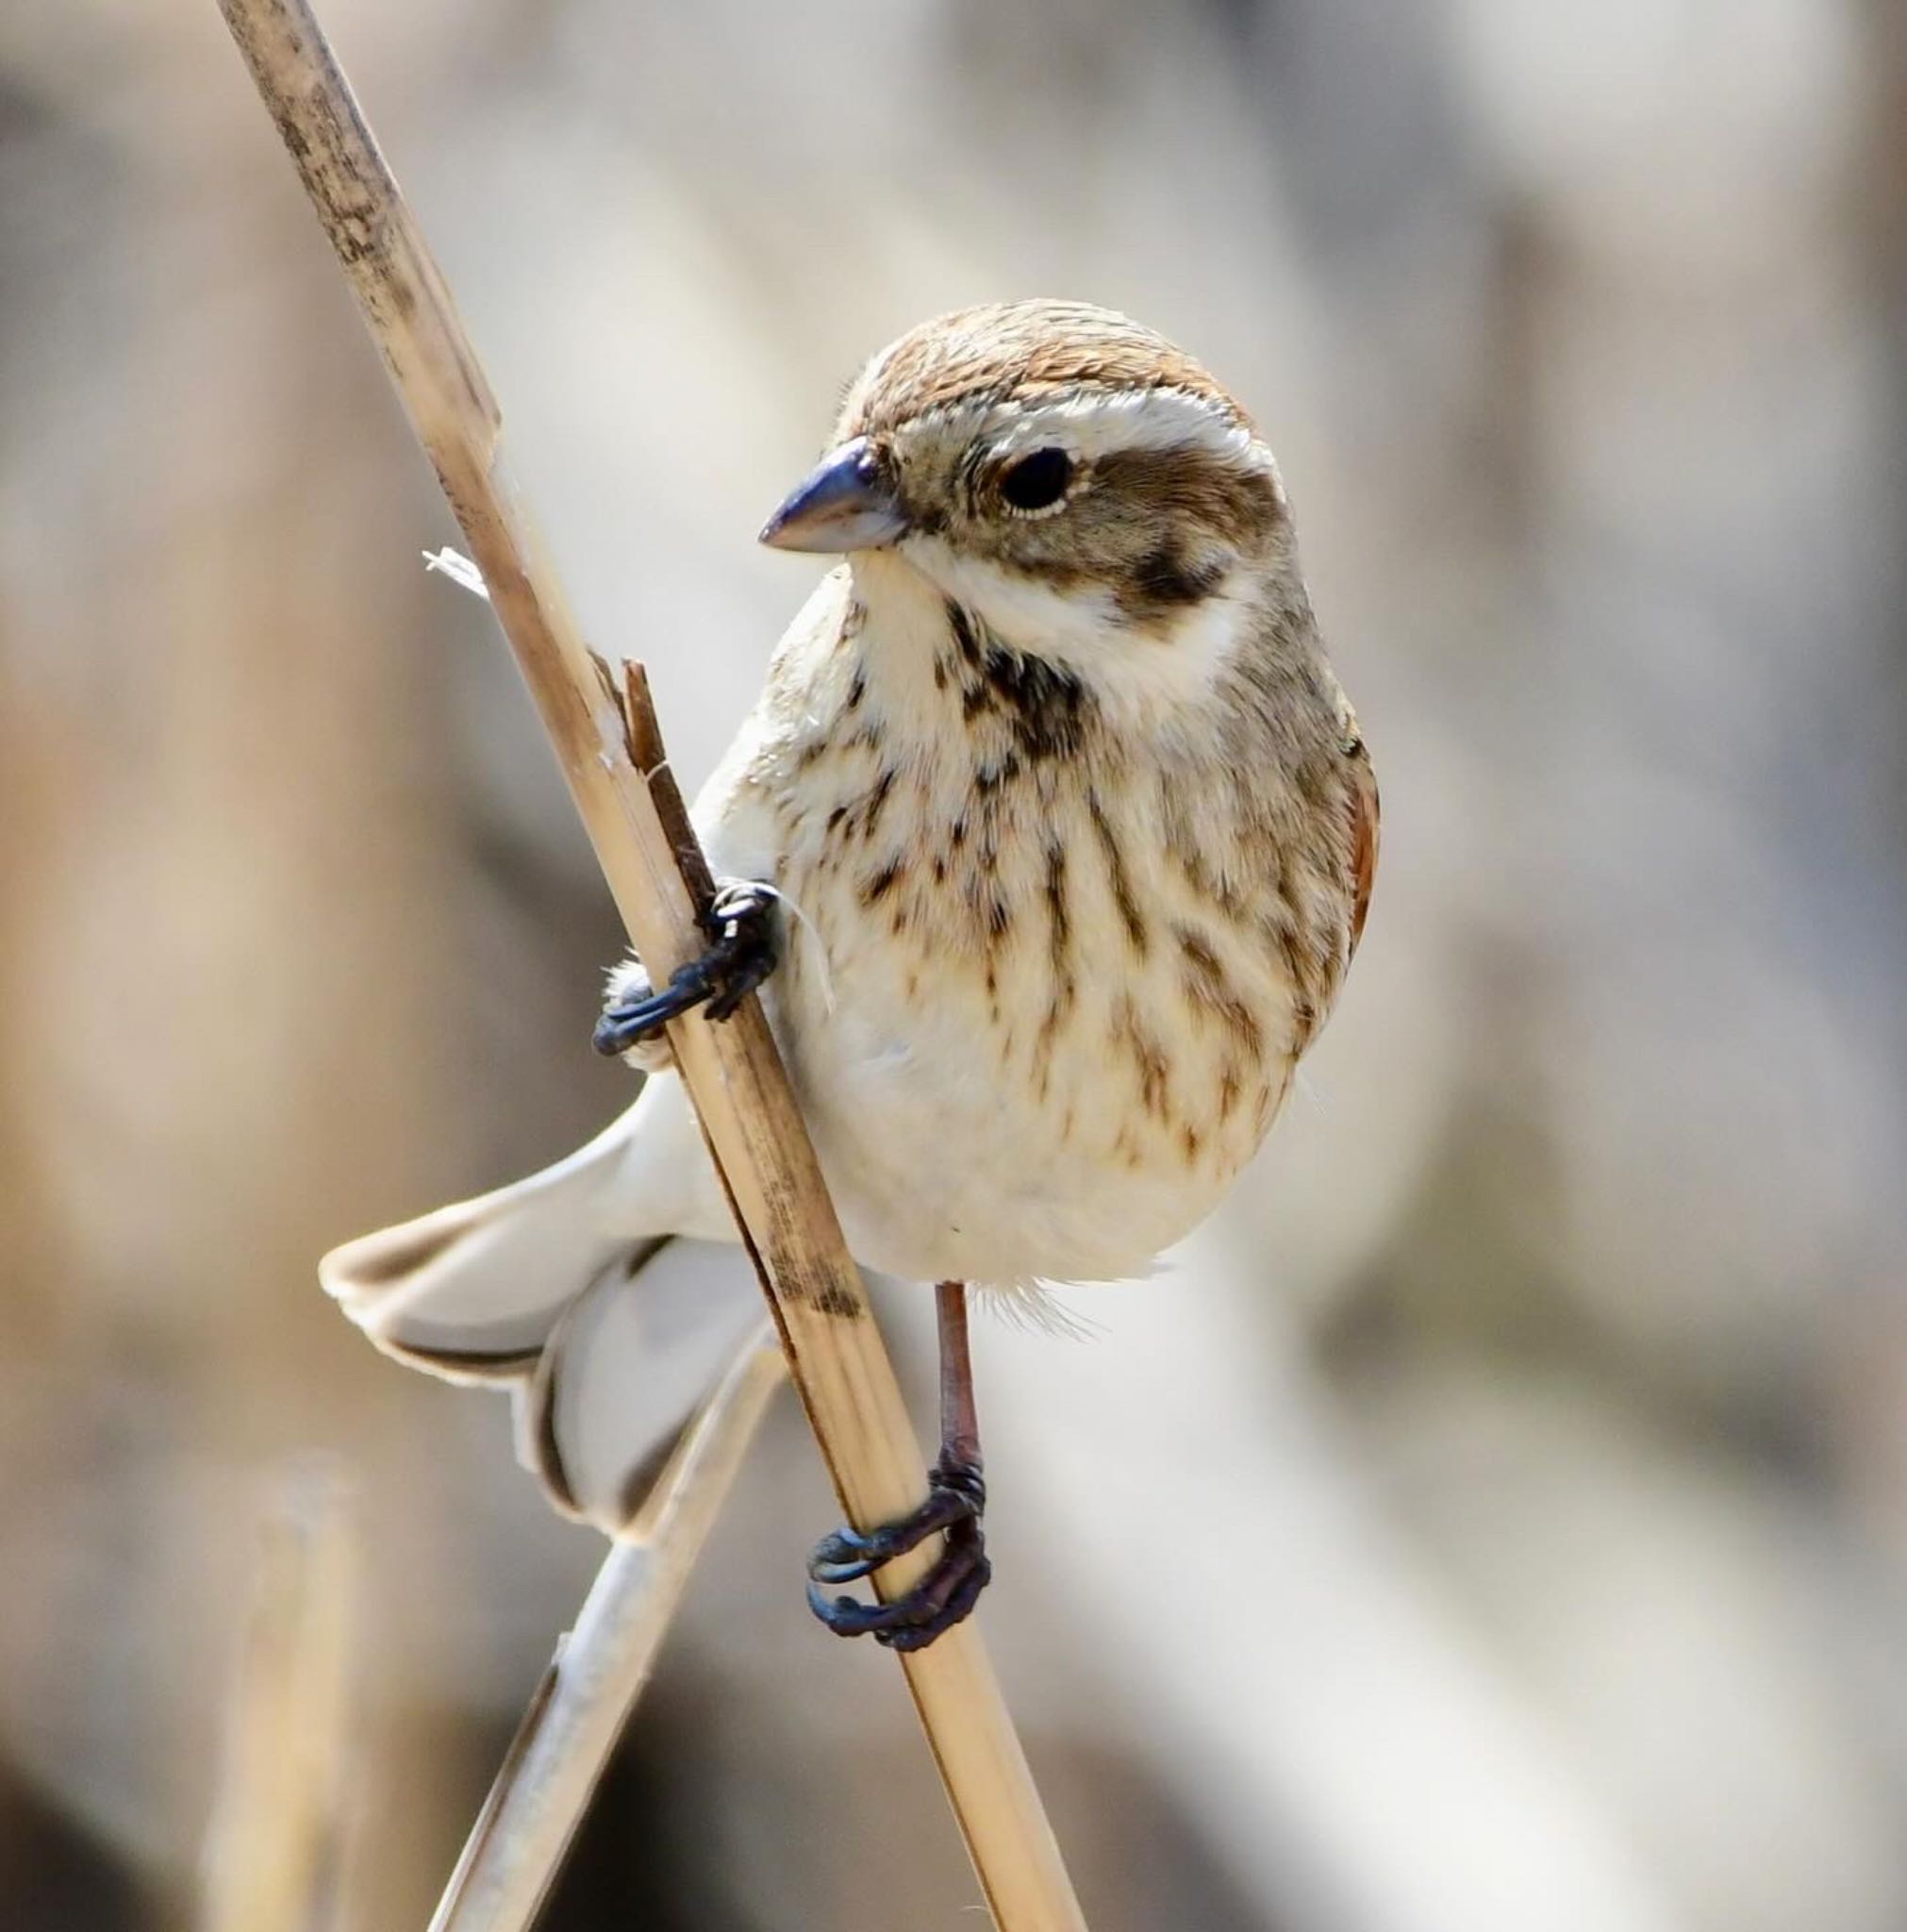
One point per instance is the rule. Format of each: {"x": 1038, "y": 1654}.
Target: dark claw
{"x": 945, "y": 1597}
{"x": 629, "y": 1021}
{"x": 957, "y": 1608}
{"x": 743, "y": 954}
{"x": 847, "y": 1556}
{"x": 956, "y": 1499}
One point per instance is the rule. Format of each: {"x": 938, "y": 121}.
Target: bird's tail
{"x": 564, "y": 1289}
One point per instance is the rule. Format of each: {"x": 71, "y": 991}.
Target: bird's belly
{"x": 968, "y": 1133}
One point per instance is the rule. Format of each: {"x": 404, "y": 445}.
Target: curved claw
{"x": 945, "y": 1597}
{"x": 957, "y": 1498}
{"x": 960, "y": 1607}
{"x": 847, "y": 1554}
{"x": 745, "y": 951}
{"x": 742, "y": 955}
{"x": 630, "y": 1023}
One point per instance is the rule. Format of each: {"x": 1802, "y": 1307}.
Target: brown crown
{"x": 1019, "y": 350}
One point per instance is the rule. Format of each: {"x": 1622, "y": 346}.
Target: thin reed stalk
{"x": 610, "y": 748}
{"x": 271, "y": 1851}
{"x": 562, "y": 1748}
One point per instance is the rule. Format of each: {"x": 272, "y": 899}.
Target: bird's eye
{"x": 1037, "y": 481}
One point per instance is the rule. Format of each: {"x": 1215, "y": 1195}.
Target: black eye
{"x": 1038, "y": 481}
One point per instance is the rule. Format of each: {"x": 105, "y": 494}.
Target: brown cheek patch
{"x": 1166, "y": 581}
{"x": 1173, "y": 523}
{"x": 1237, "y": 507}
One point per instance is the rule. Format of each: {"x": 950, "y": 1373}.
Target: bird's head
{"x": 1077, "y": 482}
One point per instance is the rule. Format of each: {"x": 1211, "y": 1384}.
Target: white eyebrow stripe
{"x": 1093, "y": 422}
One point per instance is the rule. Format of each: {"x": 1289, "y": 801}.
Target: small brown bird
{"x": 1059, "y": 835}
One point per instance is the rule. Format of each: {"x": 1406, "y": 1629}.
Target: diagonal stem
{"x": 563, "y": 1745}
{"x": 610, "y": 750}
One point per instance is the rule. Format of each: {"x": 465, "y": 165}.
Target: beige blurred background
{"x": 1498, "y": 1520}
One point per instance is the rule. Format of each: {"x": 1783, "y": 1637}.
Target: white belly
{"x": 1031, "y": 1109}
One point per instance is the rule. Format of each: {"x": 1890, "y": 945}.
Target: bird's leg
{"x": 956, "y": 1499}
{"x": 743, "y": 951}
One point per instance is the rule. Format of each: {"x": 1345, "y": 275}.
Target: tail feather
{"x": 565, "y": 1288}
{"x": 631, "y": 1361}
{"x": 474, "y": 1292}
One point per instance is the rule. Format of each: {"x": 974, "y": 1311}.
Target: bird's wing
{"x": 533, "y": 1286}
{"x": 1360, "y": 808}
{"x": 1364, "y": 833}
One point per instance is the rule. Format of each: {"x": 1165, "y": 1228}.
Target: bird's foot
{"x": 957, "y": 1500}
{"x": 743, "y": 951}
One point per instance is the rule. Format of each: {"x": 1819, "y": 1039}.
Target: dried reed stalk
{"x": 272, "y": 1852}
{"x": 607, "y": 741}
{"x": 563, "y": 1745}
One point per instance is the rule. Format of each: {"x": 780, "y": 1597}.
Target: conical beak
{"x": 846, "y": 504}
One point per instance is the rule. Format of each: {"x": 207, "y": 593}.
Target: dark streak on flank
{"x": 1210, "y": 991}
{"x": 1304, "y": 1025}
{"x": 1292, "y": 941}
{"x": 876, "y": 801}
{"x": 1148, "y": 1057}
{"x": 1228, "y": 1091}
{"x": 1055, "y": 902}
{"x": 1059, "y": 948}
{"x": 1117, "y": 877}
{"x": 877, "y": 888}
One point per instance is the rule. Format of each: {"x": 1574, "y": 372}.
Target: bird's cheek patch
{"x": 1168, "y": 581}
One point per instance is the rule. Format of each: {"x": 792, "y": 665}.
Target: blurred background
{"x": 1498, "y": 1519}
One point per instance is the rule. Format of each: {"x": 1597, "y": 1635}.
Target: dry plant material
{"x": 606, "y": 738}
{"x": 271, "y": 1860}
{"x": 563, "y": 1745}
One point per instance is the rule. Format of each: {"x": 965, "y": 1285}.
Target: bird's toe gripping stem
{"x": 744, "y": 948}
{"x": 957, "y": 1500}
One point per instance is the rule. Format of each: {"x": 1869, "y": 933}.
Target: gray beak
{"x": 843, "y": 505}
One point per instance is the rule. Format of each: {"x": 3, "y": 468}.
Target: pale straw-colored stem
{"x": 271, "y": 1851}
{"x": 517, "y": 1845}
{"x": 605, "y": 738}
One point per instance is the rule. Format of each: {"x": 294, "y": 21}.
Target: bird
{"x": 1047, "y": 847}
